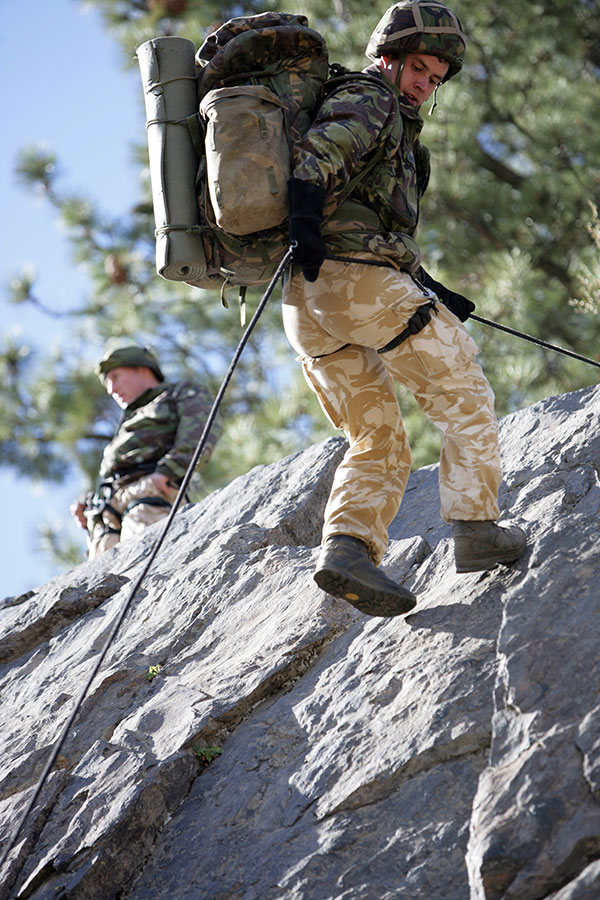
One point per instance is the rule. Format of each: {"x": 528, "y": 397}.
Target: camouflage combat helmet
{"x": 420, "y": 26}
{"x": 129, "y": 356}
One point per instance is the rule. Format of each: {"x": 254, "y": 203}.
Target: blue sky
{"x": 65, "y": 86}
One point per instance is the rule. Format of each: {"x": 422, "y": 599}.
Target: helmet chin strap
{"x": 434, "y": 104}
{"x": 401, "y": 58}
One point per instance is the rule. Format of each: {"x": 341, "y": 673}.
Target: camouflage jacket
{"x": 162, "y": 427}
{"x": 381, "y": 213}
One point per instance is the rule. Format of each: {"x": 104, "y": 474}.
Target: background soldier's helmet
{"x": 420, "y": 26}
{"x": 129, "y": 356}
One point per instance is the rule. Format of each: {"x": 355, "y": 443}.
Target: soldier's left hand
{"x": 456, "y": 303}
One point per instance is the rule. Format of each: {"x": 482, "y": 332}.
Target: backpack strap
{"x": 196, "y": 129}
{"x": 341, "y": 77}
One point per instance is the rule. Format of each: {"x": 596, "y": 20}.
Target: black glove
{"x": 456, "y": 303}
{"x": 306, "y": 202}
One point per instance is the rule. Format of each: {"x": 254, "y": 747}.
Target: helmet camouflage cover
{"x": 420, "y": 26}
{"x": 132, "y": 356}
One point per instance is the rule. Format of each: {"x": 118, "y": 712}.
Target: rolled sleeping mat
{"x": 169, "y": 80}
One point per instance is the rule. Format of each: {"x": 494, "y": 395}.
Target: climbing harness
{"x": 416, "y": 323}
{"x": 480, "y": 319}
{"x": 153, "y": 552}
{"x": 145, "y": 501}
{"x": 100, "y": 503}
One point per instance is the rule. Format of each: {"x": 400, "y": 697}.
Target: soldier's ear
{"x": 391, "y": 68}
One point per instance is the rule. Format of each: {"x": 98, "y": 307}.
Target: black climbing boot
{"x": 345, "y": 570}
{"x": 479, "y": 546}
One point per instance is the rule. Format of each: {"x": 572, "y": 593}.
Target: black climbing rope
{"x": 513, "y": 331}
{"x": 534, "y": 340}
{"x": 155, "y": 548}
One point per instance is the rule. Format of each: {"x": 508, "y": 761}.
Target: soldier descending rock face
{"x": 145, "y": 462}
{"x": 356, "y": 326}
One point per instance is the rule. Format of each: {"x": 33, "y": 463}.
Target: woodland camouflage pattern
{"x": 163, "y": 427}
{"x": 382, "y": 212}
{"x": 414, "y": 26}
{"x": 131, "y": 355}
{"x": 364, "y": 307}
{"x": 283, "y": 53}
{"x": 276, "y": 49}
{"x": 379, "y": 213}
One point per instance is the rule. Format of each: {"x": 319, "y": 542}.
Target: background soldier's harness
{"x": 99, "y": 502}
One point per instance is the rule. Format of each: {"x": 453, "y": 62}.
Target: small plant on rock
{"x": 152, "y": 672}
{"x": 205, "y": 755}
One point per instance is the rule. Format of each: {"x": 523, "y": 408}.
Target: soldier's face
{"x": 421, "y": 74}
{"x": 126, "y": 383}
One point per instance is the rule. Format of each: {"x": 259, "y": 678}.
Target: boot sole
{"x": 367, "y": 599}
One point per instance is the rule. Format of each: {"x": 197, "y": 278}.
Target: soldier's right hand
{"x": 306, "y": 203}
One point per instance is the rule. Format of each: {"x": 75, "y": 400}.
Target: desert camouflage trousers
{"x": 132, "y": 521}
{"x": 365, "y": 307}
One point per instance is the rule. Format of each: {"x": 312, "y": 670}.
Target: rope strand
{"x": 156, "y": 547}
{"x": 181, "y": 494}
{"x": 513, "y": 331}
{"x": 534, "y": 340}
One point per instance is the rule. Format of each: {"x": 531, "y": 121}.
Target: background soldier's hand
{"x": 163, "y": 485}
{"x": 456, "y": 303}
{"x": 306, "y": 203}
{"x": 77, "y": 511}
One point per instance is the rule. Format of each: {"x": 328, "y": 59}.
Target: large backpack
{"x": 257, "y": 83}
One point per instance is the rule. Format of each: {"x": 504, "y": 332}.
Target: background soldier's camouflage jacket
{"x": 382, "y": 211}
{"x": 161, "y": 427}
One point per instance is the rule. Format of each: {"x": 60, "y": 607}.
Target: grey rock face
{"x": 250, "y": 738}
